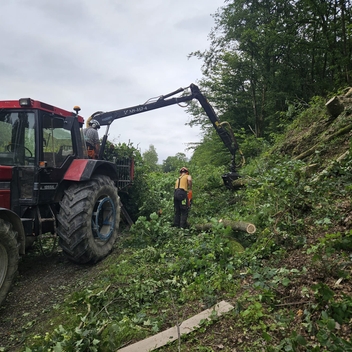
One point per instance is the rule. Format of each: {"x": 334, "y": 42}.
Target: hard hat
{"x": 94, "y": 124}
{"x": 183, "y": 169}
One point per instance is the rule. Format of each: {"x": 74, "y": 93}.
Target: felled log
{"x": 309, "y": 170}
{"x": 326, "y": 170}
{"x": 340, "y": 132}
{"x": 235, "y": 225}
{"x": 307, "y": 152}
{"x": 312, "y": 150}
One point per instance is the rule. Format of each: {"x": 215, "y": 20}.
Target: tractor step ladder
{"x": 43, "y": 238}
{"x": 47, "y": 219}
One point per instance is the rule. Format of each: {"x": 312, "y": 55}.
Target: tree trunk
{"x": 235, "y": 225}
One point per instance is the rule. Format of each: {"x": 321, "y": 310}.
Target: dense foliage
{"x": 268, "y": 55}
{"x": 289, "y": 282}
{"x": 173, "y": 163}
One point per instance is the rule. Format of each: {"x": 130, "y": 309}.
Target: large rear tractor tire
{"x": 89, "y": 219}
{"x": 9, "y": 257}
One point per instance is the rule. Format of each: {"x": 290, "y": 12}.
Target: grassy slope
{"x": 291, "y": 287}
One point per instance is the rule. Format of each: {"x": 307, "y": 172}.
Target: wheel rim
{"x": 104, "y": 219}
{"x": 3, "y": 264}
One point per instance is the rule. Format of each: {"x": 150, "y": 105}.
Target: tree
{"x": 265, "y": 54}
{"x": 173, "y": 163}
{"x": 150, "y": 158}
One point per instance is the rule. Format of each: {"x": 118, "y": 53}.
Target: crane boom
{"x": 225, "y": 133}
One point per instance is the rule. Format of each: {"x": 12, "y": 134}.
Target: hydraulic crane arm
{"x": 106, "y": 118}
{"x": 223, "y": 129}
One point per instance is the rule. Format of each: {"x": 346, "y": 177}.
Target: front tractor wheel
{"x": 8, "y": 257}
{"x": 88, "y": 220}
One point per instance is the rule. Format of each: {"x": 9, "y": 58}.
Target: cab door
{"x": 18, "y": 150}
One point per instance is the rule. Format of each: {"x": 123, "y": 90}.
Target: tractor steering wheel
{"x": 14, "y": 144}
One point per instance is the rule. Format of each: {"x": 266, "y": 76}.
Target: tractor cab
{"x": 34, "y": 134}
{"x": 38, "y": 142}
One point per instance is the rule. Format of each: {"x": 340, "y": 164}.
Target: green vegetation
{"x": 273, "y": 56}
{"x": 150, "y": 158}
{"x": 172, "y": 163}
{"x": 290, "y": 282}
{"x": 270, "y": 69}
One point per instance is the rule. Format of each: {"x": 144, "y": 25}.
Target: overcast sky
{"x": 106, "y": 55}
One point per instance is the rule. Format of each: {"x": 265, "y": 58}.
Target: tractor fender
{"x": 17, "y": 225}
{"x": 84, "y": 169}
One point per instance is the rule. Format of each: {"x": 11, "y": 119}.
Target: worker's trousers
{"x": 181, "y": 214}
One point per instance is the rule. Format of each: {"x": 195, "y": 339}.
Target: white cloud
{"x": 108, "y": 55}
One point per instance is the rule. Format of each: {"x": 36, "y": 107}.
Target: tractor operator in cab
{"x": 182, "y": 198}
{"x": 91, "y": 138}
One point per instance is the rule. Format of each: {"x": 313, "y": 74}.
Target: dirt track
{"x": 41, "y": 283}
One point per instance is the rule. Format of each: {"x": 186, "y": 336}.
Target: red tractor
{"x": 48, "y": 185}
